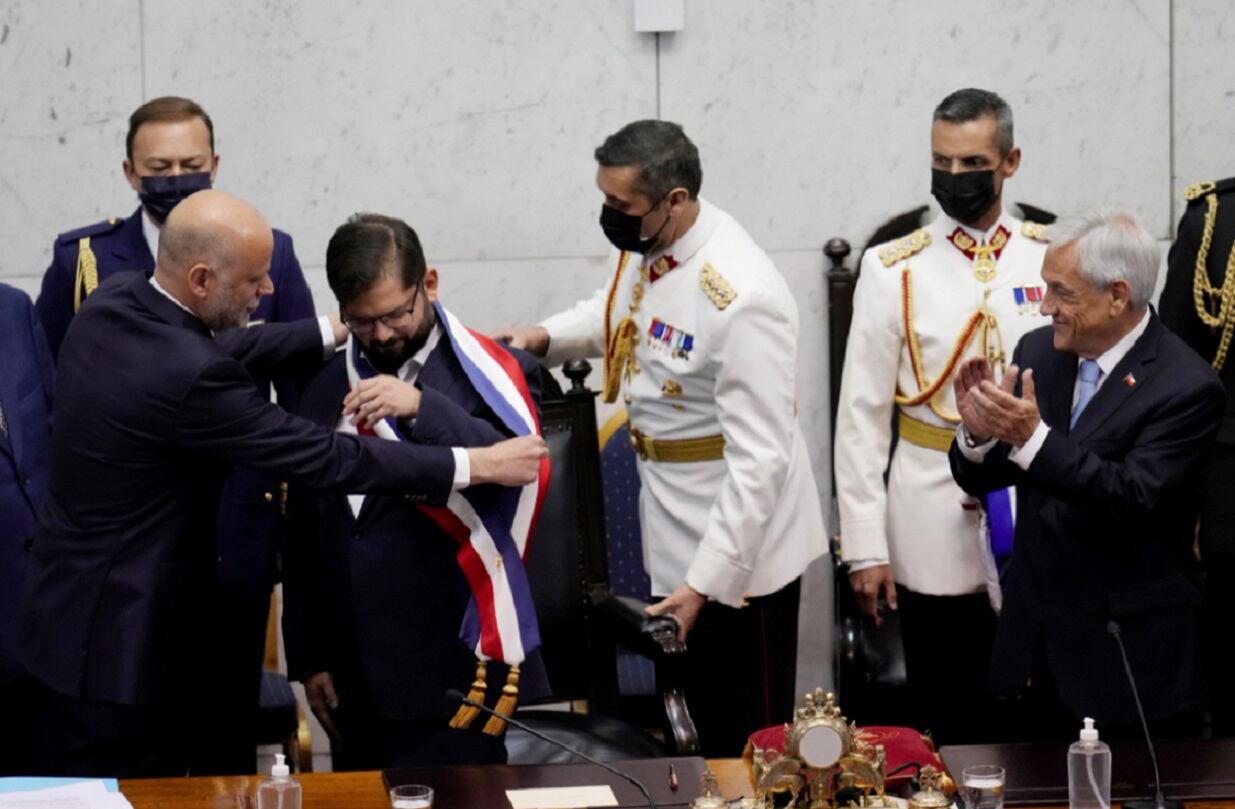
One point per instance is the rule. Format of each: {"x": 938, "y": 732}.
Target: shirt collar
{"x": 411, "y": 369}
{"x": 985, "y": 236}
{"x": 689, "y": 242}
{"x": 154, "y": 282}
{"x": 151, "y": 231}
{"x": 1111, "y": 357}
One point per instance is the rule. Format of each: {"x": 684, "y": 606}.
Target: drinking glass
{"x": 982, "y": 786}
{"x": 411, "y": 796}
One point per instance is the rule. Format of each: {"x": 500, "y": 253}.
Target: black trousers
{"x": 94, "y": 738}
{"x": 1040, "y": 715}
{"x": 222, "y": 731}
{"x": 1219, "y": 609}
{"x": 371, "y": 740}
{"x": 210, "y": 728}
{"x": 741, "y": 670}
{"x": 948, "y": 642}
{"x": 20, "y": 745}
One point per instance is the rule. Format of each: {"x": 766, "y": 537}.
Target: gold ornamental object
{"x": 823, "y": 755}
{"x": 709, "y": 793}
{"x": 930, "y": 796}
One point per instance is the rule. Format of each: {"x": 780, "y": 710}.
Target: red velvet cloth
{"x": 902, "y": 746}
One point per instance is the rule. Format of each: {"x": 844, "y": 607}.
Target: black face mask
{"x": 966, "y": 196}
{"x": 625, "y": 231}
{"x": 160, "y": 193}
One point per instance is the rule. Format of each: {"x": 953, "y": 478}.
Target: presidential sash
{"x": 492, "y": 529}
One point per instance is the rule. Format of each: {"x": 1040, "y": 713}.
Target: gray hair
{"x": 970, "y": 104}
{"x": 1111, "y": 245}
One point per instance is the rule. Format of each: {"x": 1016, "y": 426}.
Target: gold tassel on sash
{"x": 505, "y": 705}
{"x": 467, "y": 714}
{"x": 87, "y": 280}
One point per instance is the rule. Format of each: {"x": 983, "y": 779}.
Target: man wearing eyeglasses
{"x": 373, "y": 594}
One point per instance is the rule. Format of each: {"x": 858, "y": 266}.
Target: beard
{"x": 223, "y": 314}
{"x": 390, "y": 356}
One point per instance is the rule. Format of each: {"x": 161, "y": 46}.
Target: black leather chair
{"x": 581, "y": 622}
{"x": 869, "y": 665}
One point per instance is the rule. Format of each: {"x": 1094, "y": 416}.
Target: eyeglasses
{"x": 364, "y": 326}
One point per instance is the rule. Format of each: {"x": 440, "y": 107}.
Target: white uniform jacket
{"x": 716, "y": 356}
{"x": 922, "y": 296}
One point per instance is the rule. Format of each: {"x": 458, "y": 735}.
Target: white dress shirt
{"x": 409, "y": 372}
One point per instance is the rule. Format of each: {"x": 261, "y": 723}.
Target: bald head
{"x": 214, "y": 257}
{"x": 210, "y": 226}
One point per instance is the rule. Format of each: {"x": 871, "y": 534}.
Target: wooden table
{"x": 346, "y": 790}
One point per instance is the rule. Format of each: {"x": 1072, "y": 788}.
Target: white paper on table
{"x": 561, "y": 797}
{"x": 84, "y": 795}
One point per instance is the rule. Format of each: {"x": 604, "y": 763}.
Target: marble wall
{"x": 476, "y": 121}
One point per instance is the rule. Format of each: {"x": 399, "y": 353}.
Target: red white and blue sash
{"x": 492, "y": 529}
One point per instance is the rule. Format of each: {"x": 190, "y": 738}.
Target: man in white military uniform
{"x": 699, "y": 333}
{"x": 967, "y": 285}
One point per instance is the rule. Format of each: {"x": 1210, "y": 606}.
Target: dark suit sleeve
{"x": 275, "y": 349}
{"x": 222, "y": 415}
{"x": 1177, "y": 308}
{"x": 445, "y": 422}
{"x": 994, "y": 473}
{"x": 55, "y": 302}
{"x": 1171, "y": 447}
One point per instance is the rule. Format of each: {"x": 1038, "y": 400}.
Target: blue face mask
{"x": 160, "y": 193}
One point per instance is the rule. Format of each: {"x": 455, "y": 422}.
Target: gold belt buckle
{"x": 638, "y": 442}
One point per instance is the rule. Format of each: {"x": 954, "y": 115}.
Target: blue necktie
{"x": 1090, "y": 372}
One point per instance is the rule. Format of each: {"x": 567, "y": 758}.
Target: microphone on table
{"x": 1157, "y": 801}
{"x": 459, "y": 696}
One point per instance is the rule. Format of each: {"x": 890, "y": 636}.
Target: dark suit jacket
{"x": 1178, "y": 310}
{"x": 26, "y": 380}
{"x": 146, "y": 430}
{"x": 249, "y": 510}
{"x": 377, "y": 599}
{"x": 1104, "y": 529}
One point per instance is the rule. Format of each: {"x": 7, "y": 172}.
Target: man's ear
{"x": 678, "y": 197}
{"x": 1012, "y": 162}
{"x": 200, "y": 278}
{"x": 130, "y": 174}
{"x": 430, "y": 284}
{"x": 214, "y": 168}
{"x": 1121, "y": 296}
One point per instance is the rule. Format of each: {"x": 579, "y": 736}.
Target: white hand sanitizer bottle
{"x": 1089, "y": 771}
{"x": 280, "y": 790}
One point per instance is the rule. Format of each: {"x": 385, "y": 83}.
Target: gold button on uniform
{"x": 269, "y": 497}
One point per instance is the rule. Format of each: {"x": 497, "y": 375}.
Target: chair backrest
{"x": 566, "y": 563}
{"x": 619, "y": 473}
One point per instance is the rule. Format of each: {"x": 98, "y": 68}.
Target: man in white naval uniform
{"x": 966, "y": 285}
{"x": 699, "y": 333}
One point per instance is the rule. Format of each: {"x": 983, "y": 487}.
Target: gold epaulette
{"x": 716, "y": 287}
{"x": 1198, "y": 190}
{"x": 1035, "y": 231}
{"x": 904, "y": 247}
